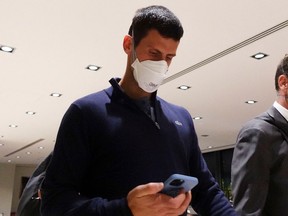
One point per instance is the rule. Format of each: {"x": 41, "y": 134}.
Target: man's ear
{"x": 127, "y": 44}
{"x": 283, "y": 82}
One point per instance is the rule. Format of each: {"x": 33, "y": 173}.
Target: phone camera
{"x": 177, "y": 182}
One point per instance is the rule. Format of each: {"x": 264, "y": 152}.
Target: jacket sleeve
{"x": 64, "y": 177}
{"x": 207, "y": 197}
{"x": 251, "y": 164}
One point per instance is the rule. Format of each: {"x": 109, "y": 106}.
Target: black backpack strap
{"x": 29, "y": 203}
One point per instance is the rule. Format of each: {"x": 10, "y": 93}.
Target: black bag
{"x": 29, "y": 203}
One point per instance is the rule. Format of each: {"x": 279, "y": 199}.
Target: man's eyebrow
{"x": 155, "y": 50}
{"x": 159, "y": 52}
{"x": 172, "y": 55}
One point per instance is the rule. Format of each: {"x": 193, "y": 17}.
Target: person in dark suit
{"x": 260, "y": 159}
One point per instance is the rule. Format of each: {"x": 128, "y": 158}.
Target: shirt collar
{"x": 283, "y": 111}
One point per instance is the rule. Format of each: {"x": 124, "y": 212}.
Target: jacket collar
{"x": 278, "y": 120}
{"x": 117, "y": 93}
{"x": 115, "y": 84}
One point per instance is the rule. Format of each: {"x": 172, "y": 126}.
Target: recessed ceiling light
{"x": 30, "y": 113}
{"x": 41, "y": 147}
{"x": 251, "y": 101}
{"x": 18, "y": 156}
{"x": 1, "y": 144}
{"x": 197, "y": 118}
{"x": 13, "y": 126}
{"x": 184, "y": 87}
{"x": 93, "y": 67}
{"x": 259, "y": 56}
{"x": 209, "y": 147}
{"x": 6, "y": 49}
{"x": 28, "y": 153}
{"x": 9, "y": 161}
{"x": 55, "y": 94}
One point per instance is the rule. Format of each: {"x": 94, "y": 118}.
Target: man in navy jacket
{"x": 116, "y": 147}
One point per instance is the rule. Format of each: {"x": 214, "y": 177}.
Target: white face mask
{"x": 149, "y": 74}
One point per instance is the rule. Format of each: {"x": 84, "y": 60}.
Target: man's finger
{"x": 147, "y": 189}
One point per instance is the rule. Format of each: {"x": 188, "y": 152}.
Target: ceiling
{"x": 55, "y": 41}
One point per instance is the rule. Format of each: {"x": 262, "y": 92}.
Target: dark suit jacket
{"x": 260, "y": 166}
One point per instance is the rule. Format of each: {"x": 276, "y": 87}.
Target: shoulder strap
{"x": 30, "y": 192}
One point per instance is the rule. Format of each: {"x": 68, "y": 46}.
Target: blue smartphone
{"x": 178, "y": 183}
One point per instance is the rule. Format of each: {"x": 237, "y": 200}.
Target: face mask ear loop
{"x": 134, "y": 56}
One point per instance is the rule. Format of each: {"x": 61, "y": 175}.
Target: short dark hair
{"x": 155, "y": 17}
{"x": 282, "y": 69}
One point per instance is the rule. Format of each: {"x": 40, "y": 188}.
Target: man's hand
{"x": 145, "y": 200}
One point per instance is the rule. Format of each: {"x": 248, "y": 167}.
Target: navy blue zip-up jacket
{"x": 106, "y": 146}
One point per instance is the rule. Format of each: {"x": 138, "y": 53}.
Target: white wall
{"x": 7, "y": 173}
{"x": 10, "y": 185}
